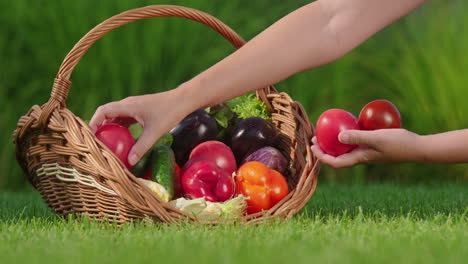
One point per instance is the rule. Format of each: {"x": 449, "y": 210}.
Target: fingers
{"x": 107, "y": 112}
{"x": 124, "y": 121}
{"x": 144, "y": 143}
{"x": 346, "y": 160}
{"x": 359, "y": 155}
{"x": 359, "y": 137}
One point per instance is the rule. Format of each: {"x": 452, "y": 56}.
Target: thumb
{"x": 144, "y": 143}
{"x": 357, "y": 137}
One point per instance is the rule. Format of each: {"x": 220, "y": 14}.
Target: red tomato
{"x": 216, "y": 152}
{"x": 379, "y": 114}
{"x": 329, "y": 125}
{"x": 263, "y": 186}
{"x": 118, "y": 139}
{"x": 148, "y": 174}
{"x": 177, "y": 182}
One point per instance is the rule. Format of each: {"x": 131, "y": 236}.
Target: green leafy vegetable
{"x": 248, "y": 105}
{"x": 224, "y": 118}
{"x": 221, "y": 113}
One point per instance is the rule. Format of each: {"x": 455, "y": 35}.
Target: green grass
{"x": 341, "y": 224}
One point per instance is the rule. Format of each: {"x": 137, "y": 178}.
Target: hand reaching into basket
{"x": 313, "y": 35}
{"x": 397, "y": 145}
{"x": 145, "y": 110}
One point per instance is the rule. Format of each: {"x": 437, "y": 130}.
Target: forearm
{"x": 293, "y": 44}
{"x": 313, "y": 35}
{"x": 449, "y": 147}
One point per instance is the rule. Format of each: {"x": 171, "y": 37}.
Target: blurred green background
{"x": 419, "y": 63}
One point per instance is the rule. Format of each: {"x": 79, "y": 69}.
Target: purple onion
{"x": 269, "y": 156}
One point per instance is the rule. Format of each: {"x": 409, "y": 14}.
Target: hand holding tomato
{"x": 376, "y": 146}
{"x": 377, "y": 134}
{"x": 378, "y": 114}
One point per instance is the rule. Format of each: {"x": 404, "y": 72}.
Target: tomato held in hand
{"x": 263, "y": 186}
{"x": 329, "y": 126}
{"x": 118, "y": 139}
{"x": 379, "y": 114}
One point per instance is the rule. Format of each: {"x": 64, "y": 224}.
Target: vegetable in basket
{"x": 248, "y": 105}
{"x": 204, "y": 179}
{"x": 165, "y": 139}
{"x": 118, "y": 139}
{"x": 250, "y": 135}
{"x": 217, "y": 152}
{"x": 262, "y": 186}
{"x": 194, "y": 129}
{"x": 269, "y": 156}
{"x": 225, "y": 118}
{"x": 178, "y": 192}
{"x": 203, "y": 210}
{"x": 143, "y": 168}
{"x": 163, "y": 168}
{"x": 157, "y": 189}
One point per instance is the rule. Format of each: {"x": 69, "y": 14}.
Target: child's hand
{"x": 156, "y": 113}
{"x": 378, "y": 146}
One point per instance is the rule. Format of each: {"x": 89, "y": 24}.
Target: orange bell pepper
{"x": 264, "y": 187}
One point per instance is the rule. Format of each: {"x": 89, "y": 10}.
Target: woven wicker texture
{"x": 77, "y": 174}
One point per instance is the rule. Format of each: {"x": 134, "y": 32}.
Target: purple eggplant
{"x": 194, "y": 129}
{"x": 250, "y": 135}
{"x": 269, "y": 156}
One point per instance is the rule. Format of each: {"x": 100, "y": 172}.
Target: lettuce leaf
{"x": 248, "y": 105}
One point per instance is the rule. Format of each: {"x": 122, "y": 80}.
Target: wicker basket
{"x": 77, "y": 174}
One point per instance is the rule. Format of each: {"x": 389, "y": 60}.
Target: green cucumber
{"x": 163, "y": 164}
{"x": 136, "y": 130}
{"x": 165, "y": 139}
{"x": 142, "y": 165}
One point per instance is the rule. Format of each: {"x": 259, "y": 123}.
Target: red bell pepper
{"x": 203, "y": 178}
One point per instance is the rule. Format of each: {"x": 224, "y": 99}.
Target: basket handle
{"x": 62, "y": 82}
